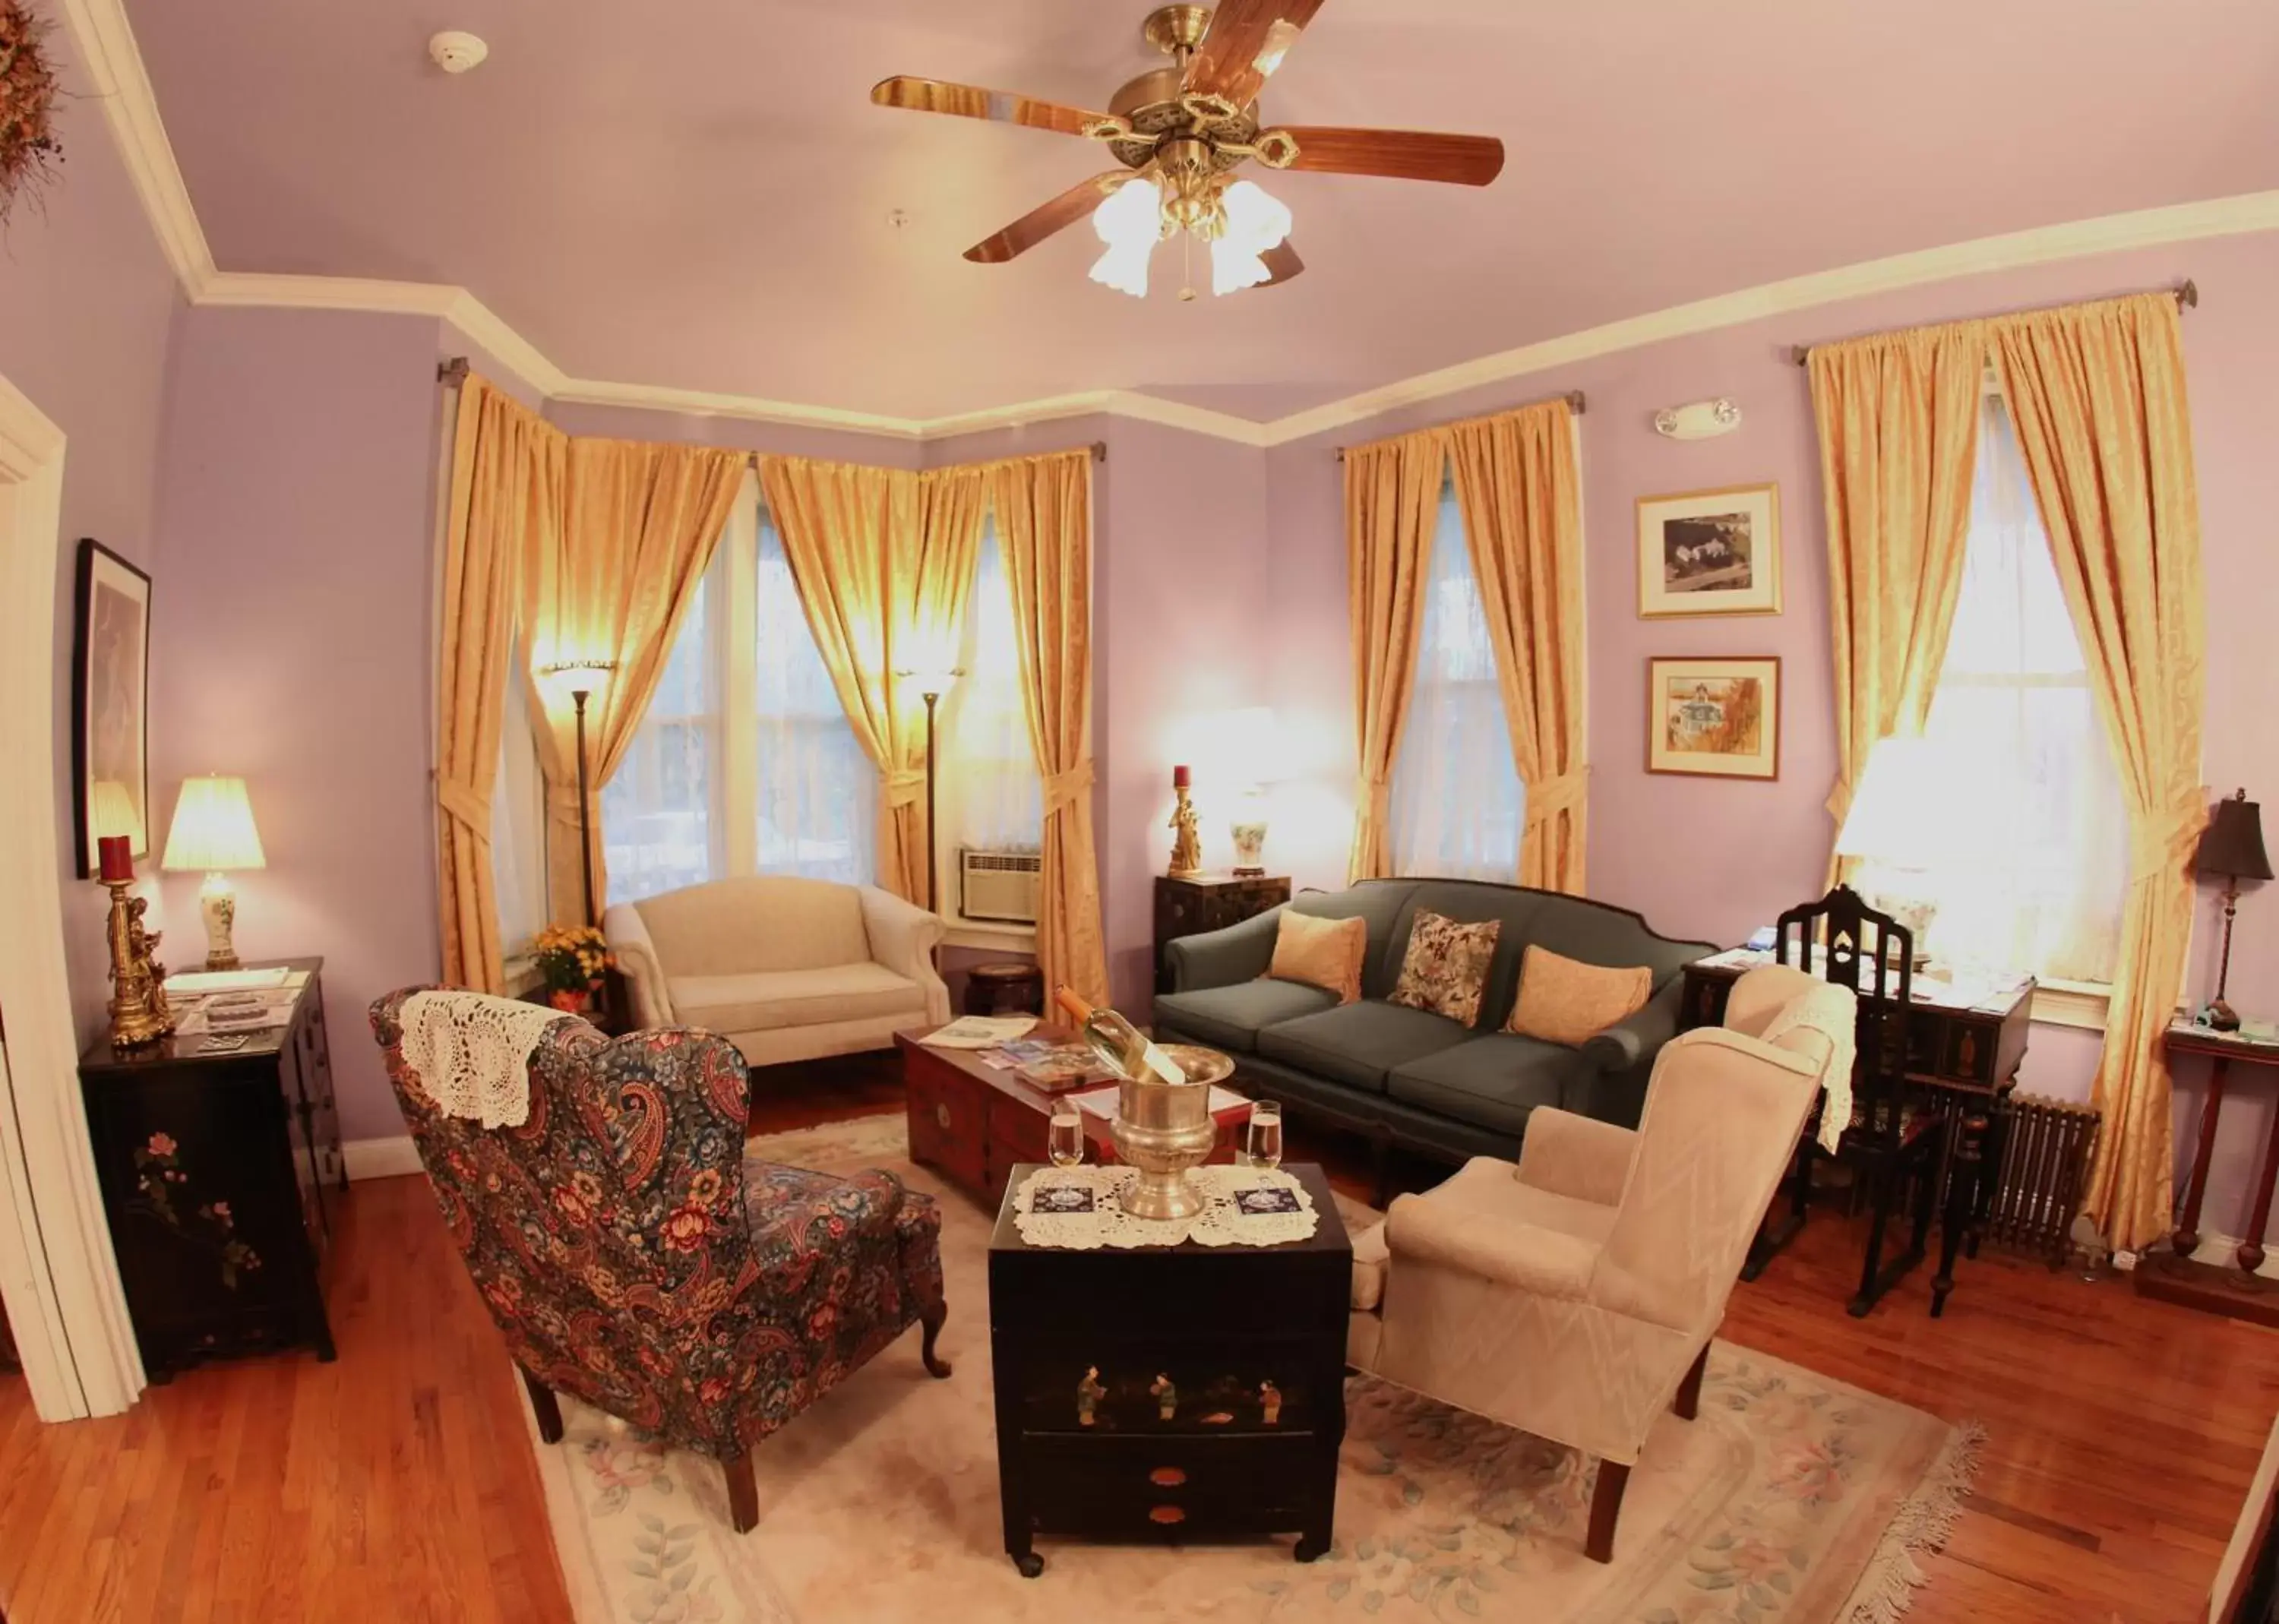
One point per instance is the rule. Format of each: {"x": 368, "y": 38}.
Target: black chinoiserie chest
{"x": 222, "y": 1179}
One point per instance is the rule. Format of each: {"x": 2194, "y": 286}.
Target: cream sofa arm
{"x": 1491, "y": 1248}
{"x": 1576, "y": 1156}
{"x": 904, "y": 937}
{"x": 637, "y": 961}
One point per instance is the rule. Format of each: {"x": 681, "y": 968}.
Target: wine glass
{"x": 1066, "y": 1145}
{"x": 1265, "y": 1142}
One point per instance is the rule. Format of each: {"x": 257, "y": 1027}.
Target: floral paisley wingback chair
{"x": 637, "y": 1258}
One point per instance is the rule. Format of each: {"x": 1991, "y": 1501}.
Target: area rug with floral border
{"x": 1793, "y": 1500}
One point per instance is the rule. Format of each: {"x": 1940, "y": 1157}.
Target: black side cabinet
{"x": 222, "y": 1178}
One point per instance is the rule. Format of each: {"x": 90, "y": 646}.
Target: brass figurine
{"x": 1167, "y": 1397}
{"x": 1089, "y": 1392}
{"x": 139, "y": 1012}
{"x": 1187, "y": 844}
{"x": 1270, "y": 1403}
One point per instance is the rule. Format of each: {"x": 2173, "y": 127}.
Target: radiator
{"x": 2037, "y": 1189}
{"x": 998, "y": 885}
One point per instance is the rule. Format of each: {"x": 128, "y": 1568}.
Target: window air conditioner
{"x": 998, "y": 886}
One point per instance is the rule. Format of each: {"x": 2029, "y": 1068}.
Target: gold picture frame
{"x": 1709, "y": 553}
{"x": 1713, "y": 715}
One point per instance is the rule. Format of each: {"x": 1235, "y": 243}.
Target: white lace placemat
{"x": 1081, "y": 1208}
{"x": 471, "y": 1052}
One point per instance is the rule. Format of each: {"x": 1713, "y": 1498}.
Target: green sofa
{"x": 1405, "y": 1076}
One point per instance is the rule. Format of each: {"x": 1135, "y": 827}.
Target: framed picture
{"x": 111, "y": 691}
{"x": 1719, "y": 717}
{"x": 1710, "y": 553}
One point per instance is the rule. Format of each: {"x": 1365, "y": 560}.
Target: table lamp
{"x": 1899, "y": 830}
{"x": 2230, "y": 846}
{"x": 213, "y": 830}
{"x": 1250, "y": 749}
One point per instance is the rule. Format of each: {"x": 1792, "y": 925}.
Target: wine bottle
{"x": 1121, "y": 1046}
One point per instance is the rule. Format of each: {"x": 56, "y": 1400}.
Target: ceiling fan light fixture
{"x": 1130, "y": 220}
{"x": 1256, "y": 221}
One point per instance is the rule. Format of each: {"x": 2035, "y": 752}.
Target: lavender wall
{"x": 86, "y": 298}
{"x": 296, "y": 481}
{"x": 1771, "y": 841}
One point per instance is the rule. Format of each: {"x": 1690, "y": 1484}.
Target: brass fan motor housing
{"x": 1155, "y": 110}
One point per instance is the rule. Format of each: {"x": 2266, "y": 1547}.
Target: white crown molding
{"x": 114, "y": 63}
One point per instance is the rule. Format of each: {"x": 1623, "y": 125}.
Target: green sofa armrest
{"x": 1223, "y": 958}
{"x": 1623, "y": 1059}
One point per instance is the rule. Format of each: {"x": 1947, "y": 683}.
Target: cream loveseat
{"x": 784, "y": 969}
{"x": 1575, "y": 1295}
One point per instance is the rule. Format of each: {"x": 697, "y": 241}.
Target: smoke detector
{"x": 456, "y": 52}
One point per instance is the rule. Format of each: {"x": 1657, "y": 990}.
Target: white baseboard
{"x": 381, "y": 1158}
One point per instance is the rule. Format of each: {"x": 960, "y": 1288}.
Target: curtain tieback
{"x": 905, "y": 787}
{"x": 1554, "y": 795}
{"x": 2162, "y": 843}
{"x": 463, "y": 806}
{"x": 1065, "y": 789}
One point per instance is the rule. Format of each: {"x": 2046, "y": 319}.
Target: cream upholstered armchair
{"x": 785, "y": 969}
{"x": 1575, "y": 1296}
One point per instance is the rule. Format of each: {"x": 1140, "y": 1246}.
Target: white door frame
{"x": 58, "y": 1273}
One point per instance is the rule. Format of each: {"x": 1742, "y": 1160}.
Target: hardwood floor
{"x": 395, "y": 1484}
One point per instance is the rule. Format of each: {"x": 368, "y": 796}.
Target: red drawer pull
{"x": 1167, "y": 1477}
{"x": 1166, "y": 1515}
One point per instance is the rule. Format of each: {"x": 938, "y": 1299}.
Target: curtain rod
{"x": 453, "y": 372}
{"x": 1573, "y": 397}
{"x": 2187, "y": 298}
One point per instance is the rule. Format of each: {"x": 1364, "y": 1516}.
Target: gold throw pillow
{"x": 1321, "y": 953}
{"x": 1446, "y": 969}
{"x": 1564, "y": 1001}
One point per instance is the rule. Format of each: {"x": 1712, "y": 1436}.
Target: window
{"x": 1458, "y": 804}
{"x": 819, "y": 790}
{"x": 2043, "y": 867}
{"x": 988, "y": 794}
{"x": 659, "y": 831}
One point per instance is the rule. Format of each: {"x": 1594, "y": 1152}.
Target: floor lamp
{"x": 583, "y": 679}
{"x": 931, "y": 686}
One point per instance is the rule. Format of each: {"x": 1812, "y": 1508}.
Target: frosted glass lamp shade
{"x": 115, "y": 813}
{"x": 213, "y": 828}
{"x": 1902, "y": 814}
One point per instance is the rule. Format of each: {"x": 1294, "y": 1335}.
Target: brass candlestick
{"x": 139, "y": 1012}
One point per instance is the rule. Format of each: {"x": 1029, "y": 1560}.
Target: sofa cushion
{"x": 757, "y": 922}
{"x": 1492, "y": 1082}
{"x": 1565, "y": 1000}
{"x": 1445, "y": 968}
{"x": 1357, "y": 1044}
{"x": 1320, "y": 952}
{"x": 767, "y": 999}
{"x": 1230, "y": 1017}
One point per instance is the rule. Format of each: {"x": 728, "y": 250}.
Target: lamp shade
{"x": 213, "y": 827}
{"x": 1902, "y": 816}
{"x": 113, "y": 812}
{"x": 568, "y": 676}
{"x": 932, "y": 679}
{"x": 2232, "y": 844}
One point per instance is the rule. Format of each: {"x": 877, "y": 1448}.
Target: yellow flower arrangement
{"x": 570, "y": 958}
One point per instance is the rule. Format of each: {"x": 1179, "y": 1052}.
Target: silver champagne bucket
{"x": 1161, "y": 1128}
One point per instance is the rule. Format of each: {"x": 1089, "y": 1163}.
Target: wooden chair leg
{"x": 1688, "y": 1402}
{"x": 743, "y": 1493}
{"x": 1605, "y": 1507}
{"x": 932, "y": 1320}
{"x": 542, "y": 1406}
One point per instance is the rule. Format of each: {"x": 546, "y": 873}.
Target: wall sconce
{"x": 1700, "y": 420}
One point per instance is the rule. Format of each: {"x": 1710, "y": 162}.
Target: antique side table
{"x": 1251, "y": 1338}
{"x": 1207, "y": 902}
{"x": 2174, "y": 1275}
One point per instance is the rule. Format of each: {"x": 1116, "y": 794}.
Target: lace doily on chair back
{"x": 470, "y": 1053}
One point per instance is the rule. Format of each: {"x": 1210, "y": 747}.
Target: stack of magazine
{"x": 1051, "y": 1066}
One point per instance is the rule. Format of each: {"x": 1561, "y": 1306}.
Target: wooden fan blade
{"x": 1282, "y": 260}
{"x": 1403, "y": 154}
{"x": 972, "y": 101}
{"x": 1034, "y": 227}
{"x": 1245, "y": 43}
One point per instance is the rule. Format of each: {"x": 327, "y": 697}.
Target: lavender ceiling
{"x": 698, "y": 194}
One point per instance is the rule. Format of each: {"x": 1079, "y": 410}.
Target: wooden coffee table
{"x": 973, "y": 1124}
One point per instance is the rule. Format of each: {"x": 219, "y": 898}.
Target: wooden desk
{"x": 2173, "y": 1275}
{"x": 1966, "y": 1053}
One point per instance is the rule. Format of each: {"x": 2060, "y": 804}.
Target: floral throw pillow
{"x": 1446, "y": 969}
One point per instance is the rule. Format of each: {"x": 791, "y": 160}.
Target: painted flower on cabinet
{"x": 159, "y": 1175}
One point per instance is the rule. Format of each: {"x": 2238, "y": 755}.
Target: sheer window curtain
{"x": 659, "y": 811}
{"x": 519, "y": 821}
{"x": 2042, "y": 874}
{"x": 989, "y": 796}
{"x": 818, "y": 800}
{"x": 1458, "y": 806}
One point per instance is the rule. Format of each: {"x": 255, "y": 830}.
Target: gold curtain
{"x": 1393, "y": 490}
{"x": 507, "y": 474}
{"x": 1516, "y": 485}
{"x": 2097, "y": 393}
{"x": 883, "y": 559}
{"x": 1899, "y": 431}
{"x": 613, "y": 583}
{"x": 1044, "y": 524}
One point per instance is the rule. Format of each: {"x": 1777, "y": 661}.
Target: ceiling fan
{"x": 1180, "y": 132}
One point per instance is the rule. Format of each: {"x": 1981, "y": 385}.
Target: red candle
{"x": 1180, "y": 779}
{"x": 118, "y": 860}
